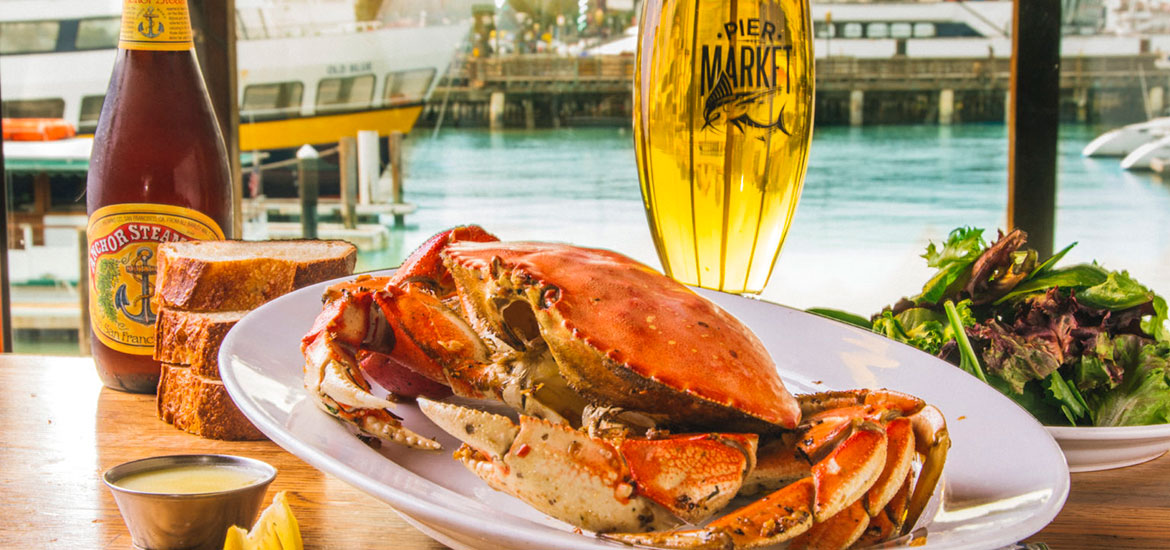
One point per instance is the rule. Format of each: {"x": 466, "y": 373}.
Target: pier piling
{"x": 347, "y": 161}
{"x": 496, "y": 108}
{"x": 307, "y": 165}
{"x": 369, "y": 162}
{"x": 946, "y": 107}
{"x": 395, "y": 145}
{"x": 856, "y": 107}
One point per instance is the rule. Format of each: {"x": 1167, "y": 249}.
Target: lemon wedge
{"x": 275, "y": 529}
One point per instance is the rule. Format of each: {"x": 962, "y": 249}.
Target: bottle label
{"x": 159, "y": 25}
{"x": 123, "y": 242}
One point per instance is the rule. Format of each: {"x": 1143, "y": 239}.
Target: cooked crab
{"x": 642, "y": 406}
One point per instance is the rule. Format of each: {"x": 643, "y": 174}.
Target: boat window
{"x": 824, "y": 30}
{"x": 877, "y": 30}
{"x": 408, "y": 86}
{"x": 901, "y": 30}
{"x": 34, "y": 108}
{"x": 852, "y": 30}
{"x": 96, "y": 34}
{"x": 924, "y": 30}
{"x": 28, "y": 36}
{"x": 270, "y": 101}
{"x": 345, "y": 94}
{"x": 91, "y": 107}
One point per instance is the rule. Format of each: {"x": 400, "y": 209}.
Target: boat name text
{"x": 349, "y": 68}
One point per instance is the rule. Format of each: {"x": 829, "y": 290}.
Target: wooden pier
{"x": 547, "y": 91}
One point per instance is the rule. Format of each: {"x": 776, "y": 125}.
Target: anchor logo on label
{"x": 141, "y": 269}
{"x": 150, "y": 31}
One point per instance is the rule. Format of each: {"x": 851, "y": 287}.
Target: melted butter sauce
{"x": 189, "y": 479}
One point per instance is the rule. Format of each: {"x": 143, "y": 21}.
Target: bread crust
{"x": 202, "y": 288}
{"x": 191, "y": 282}
{"x": 201, "y": 406}
{"x": 193, "y": 338}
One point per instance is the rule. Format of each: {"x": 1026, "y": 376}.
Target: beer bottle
{"x": 158, "y": 173}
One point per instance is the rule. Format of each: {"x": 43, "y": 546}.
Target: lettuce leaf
{"x": 1077, "y": 276}
{"x": 963, "y": 246}
{"x": 1071, "y": 403}
{"x": 1117, "y": 292}
{"x": 842, "y": 316}
{"x": 1144, "y": 395}
{"x": 1033, "y": 399}
{"x": 1156, "y": 325}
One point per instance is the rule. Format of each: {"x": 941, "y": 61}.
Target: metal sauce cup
{"x": 187, "y": 521}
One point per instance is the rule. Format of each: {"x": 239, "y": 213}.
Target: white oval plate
{"x": 1005, "y": 478}
{"x": 1088, "y": 449}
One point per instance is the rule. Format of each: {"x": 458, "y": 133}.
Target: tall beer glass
{"x": 723, "y": 98}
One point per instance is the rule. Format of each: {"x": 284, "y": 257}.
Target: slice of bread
{"x": 241, "y": 275}
{"x": 201, "y": 406}
{"x": 193, "y": 338}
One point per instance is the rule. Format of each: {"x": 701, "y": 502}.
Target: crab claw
{"x": 333, "y": 376}
{"x": 425, "y": 265}
{"x": 629, "y": 483}
{"x": 554, "y": 468}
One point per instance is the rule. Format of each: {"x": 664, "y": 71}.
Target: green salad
{"x": 1076, "y": 345}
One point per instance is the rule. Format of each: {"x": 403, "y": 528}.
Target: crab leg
{"x": 837, "y": 532}
{"x": 932, "y": 441}
{"x": 773, "y": 519}
{"x": 899, "y": 456}
{"x": 888, "y": 522}
{"x": 627, "y": 484}
{"x": 930, "y": 436}
{"x": 836, "y": 485}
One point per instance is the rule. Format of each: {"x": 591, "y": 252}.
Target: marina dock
{"x": 537, "y": 91}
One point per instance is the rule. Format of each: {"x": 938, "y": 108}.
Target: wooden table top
{"x": 61, "y": 429}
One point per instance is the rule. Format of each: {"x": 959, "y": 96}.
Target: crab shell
{"x": 622, "y": 334}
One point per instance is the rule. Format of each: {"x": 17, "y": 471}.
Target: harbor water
{"x": 874, "y": 197}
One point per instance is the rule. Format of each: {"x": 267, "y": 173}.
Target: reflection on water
{"x": 873, "y": 198}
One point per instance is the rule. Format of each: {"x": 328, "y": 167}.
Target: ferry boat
{"x": 309, "y": 72}
{"x": 955, "y": 29}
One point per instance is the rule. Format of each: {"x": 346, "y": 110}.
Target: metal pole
{"x": 84, "y": 329}
{"x": 214, "y": 26}
{"x": 5, "y": 294}
{"x": 307, "y": 159}
{"x": 1033, "y": 121}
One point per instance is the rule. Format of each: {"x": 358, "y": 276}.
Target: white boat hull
{"x": 1142, "y": 157}
{"x": 1122, "y": 141}
{"x": 313, "y": 59}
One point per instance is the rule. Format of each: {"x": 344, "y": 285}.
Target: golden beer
{"x": 723, "y": 98}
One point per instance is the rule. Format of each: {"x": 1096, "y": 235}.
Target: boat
{"x": 955, "y": 29}
{"x": 1120, "y": 142}
{"x": 1143, "y": 157}
{"x": 309, "y": 72}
